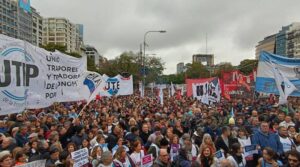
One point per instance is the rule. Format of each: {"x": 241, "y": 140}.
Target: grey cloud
{"x": 233, "y": 26}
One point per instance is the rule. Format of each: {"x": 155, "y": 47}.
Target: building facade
{"x": 267, "y": 44}
{"x": 8, "y": 18}
{"x": 180, "y": 68}
{"x": 37, "y": 28}
{"x": 205, "y": 59}
{"x": 93, "y": 54}
{"x": 24, "y": 23}
{"x": 288, "y": 41}
{"x": 61, "y": 31}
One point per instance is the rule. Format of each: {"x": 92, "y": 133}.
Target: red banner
{"x": 235, "y": 83}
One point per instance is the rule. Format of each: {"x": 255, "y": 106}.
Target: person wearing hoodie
{"x": 162, "y": 160}
{"x": 263, "y": 138}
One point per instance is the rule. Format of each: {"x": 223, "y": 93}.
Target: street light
{"x": 145, "y": 35}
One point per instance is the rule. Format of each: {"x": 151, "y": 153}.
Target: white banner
{"x": 38, "y": 163}
{"x": 207, "y": 92}
{"x": 116, "y": 86}
{"x": 31, "y": 77}
{"x": 81, "y": 157}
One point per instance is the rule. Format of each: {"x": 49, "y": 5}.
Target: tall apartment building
{"x": 37, "y": 28}
{"x": 8, "y": 18}
{"x": 267, "y": 44}
{"x": 24, "y": 22}
{"x": 61, "y": 31}
{"x": 18, "y": 22}
{"x": 288, "y": 41}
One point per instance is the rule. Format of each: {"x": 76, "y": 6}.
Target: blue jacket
{"x": 270, "y": 140}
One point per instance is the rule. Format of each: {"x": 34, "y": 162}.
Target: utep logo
{"x": 112, "y": 86}
{"x": 92, "y": 81}
{"x": 24, "y": 72}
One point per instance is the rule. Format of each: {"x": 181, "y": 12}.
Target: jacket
{"x": 220, "y": 144}
{"x": 268, "y": 140}
{"x": 158, "y": 163}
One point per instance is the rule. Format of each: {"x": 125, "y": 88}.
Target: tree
{"x": 248, "y": 65}
{"x": 224, "y": 67}
{"x": 129, "y": 62}
{"x": 52, "y": 47}
{"x": 196, "y": 70}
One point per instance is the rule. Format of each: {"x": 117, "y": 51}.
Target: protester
{"x": 162, "y": 160}
{"x": 106, "y": 159}
{"x": 206, "y": 157}
{"x": 270, "y": 158}
{"x": 137, "y": 154}
{"x": 264, "y": 138}
{"x": 293, "y": 157}
{"x": 6, "y": 159}
{"x": 182, "y": 130}
{"x": 237, "y": 157}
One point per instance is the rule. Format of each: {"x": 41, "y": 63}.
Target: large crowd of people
{"x": 120, "y": 131}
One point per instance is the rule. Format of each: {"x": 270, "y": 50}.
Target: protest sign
{"x": 38, "y": 163}
{"x": 81, "y": 157}
{"x": 147, "y": 160}
{"x": 250, "y": 150}
{"x": 220, "y": 155}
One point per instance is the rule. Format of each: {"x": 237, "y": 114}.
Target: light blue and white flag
{"x": 278, "y": 75}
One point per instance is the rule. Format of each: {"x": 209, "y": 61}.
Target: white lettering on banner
{"x": 31, "y": 77}
{"x": 38, "y": 163}
{"x": 81, "y": 157}
{"x": 116, "y": 86}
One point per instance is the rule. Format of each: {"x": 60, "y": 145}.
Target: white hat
{"x": 4, "y": 153}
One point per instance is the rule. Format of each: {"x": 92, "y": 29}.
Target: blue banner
{"x": 289, "y": 67}
{"x": 25, "y": 5}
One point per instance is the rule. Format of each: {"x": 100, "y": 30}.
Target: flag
{"x": 284, "y": 85}
{"x": 93, "y": 82}
{"x": 141, "y": 89}
{"x": 289, "y": 68}
{"x": 172, "y": 89}
{"x": 161, "y": 96}
{"x": 232, "y": 113}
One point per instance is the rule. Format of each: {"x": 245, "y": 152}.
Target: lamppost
{"x": 144, "y": 70}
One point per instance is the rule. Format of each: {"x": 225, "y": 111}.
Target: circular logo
{"x": 14, "y": 73}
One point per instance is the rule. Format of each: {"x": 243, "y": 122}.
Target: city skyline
{"x": 233, "y": 28}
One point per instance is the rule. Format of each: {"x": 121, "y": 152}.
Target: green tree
{"x": 224, "y": 67}
{"x": 248, "y": 65}
{"x": 52, "y": 47}
{"x": 196, "y": 70}
{"x": 129, "y": 62}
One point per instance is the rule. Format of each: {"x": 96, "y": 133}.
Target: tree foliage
{"x": 225, "y": 67}
{"x": 248, "y": 65}
{"x": 129, "y": 62}
{"x": 196, "y": 70}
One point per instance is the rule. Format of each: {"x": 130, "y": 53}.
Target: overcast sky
{"x": 233, "y": 27}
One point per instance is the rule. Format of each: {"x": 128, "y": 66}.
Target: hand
{"x": 275, "y": 164}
